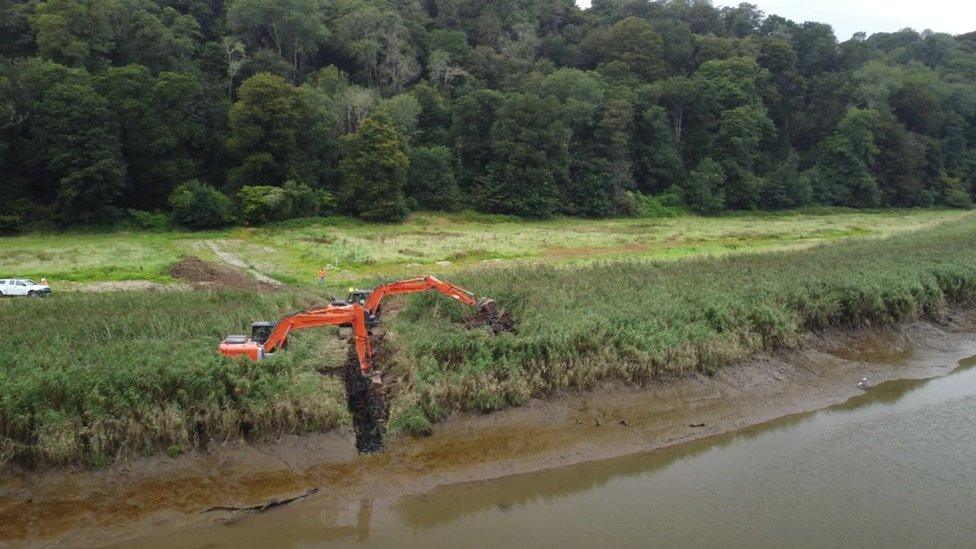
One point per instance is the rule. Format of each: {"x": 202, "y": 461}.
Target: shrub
{"x": 785, "y": 188}
{"x": 263, "y": 204}
{"x": 309, "y": 202}
{"x": 153, "y": 221}
{"x": 14, "y": 214}
{"x": 638, "y": 204}
{"x": 199, "y": 206}
{"x": 954, "y": 192}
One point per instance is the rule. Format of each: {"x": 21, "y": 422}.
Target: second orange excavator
{"x": 360, "y": 311}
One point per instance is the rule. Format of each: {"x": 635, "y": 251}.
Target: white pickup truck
{"x": 23, "y": 287}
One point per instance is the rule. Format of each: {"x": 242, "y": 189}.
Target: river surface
{"x": 894, "y": 467}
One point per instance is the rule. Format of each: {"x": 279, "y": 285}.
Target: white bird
{"x": 863, "y": 384}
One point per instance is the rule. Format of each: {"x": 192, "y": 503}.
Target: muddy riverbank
{"x": 156, "y": 497}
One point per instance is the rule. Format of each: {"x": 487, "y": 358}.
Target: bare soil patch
{"x": 203, "y": 275}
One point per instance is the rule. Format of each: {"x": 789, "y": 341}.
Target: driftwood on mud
{"x": 262, "y": 507}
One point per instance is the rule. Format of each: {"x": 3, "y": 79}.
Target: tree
{"x": 403, "y": 110}
{"x": 434, "y": 119}
{"x": 742, "y": 20}
{"x": 76, "y": 140}
{"x": 529, "y": 157}
{"x": 374, "y": 171}
{"x": 730, "y": 83}
{"x": 632, "y": 94}
{"x": 294, "y": 29}
{"x": 196, "y": 205}
{"x": 381, "y": 44}
{"x": 843, "y": 175}
{"x": 633, "y": 42}
{"x": 157, "y": 128}
{"x": 742, "y": 132}
{"x": 472, "y": 120}
{"x": 900, "y": 165}
{"x": 77, "y": 33}
{"x": 785, "y": 187}
{"x": 704, "y": 189}
{"x": 657, "y": 164}
{"x": 158, "y": 38}
{"x": 579, "y": 92}
{"x": 785, "y": 96}
{"x": 816, "y": 48}
{"x": 267, "y": 132}
{"x": 431, "y": 181}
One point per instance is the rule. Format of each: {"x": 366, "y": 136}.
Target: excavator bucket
{"x": 492, "y": 315}
{"x": 488, "y": 307}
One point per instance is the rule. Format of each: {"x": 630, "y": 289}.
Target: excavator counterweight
{"x": 360, "y": 312}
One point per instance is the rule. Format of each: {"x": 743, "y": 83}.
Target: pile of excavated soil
{"x": 203, "y": 275}
{"x": 499, "y": 322}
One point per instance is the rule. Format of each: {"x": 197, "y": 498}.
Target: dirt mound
{"x": 203, "y": 275}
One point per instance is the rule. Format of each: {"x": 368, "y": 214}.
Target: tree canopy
{"x": 532, "y": 108}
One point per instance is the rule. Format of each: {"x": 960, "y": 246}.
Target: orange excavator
{"x": 361, "y": 311}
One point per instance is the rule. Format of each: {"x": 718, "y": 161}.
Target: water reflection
{"x": 358, "y": 531}
{"x": 511, "y": 495}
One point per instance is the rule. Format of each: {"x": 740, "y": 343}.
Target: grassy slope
{"x": 642, "y": 321}
{"x": 294, "y": 251}
{"x": 84, "y": 377}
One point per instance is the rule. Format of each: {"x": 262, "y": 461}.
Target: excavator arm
{"x": 261, "y": 344}
{"x": 268, "y": 338}
{"x": 426, "y": 284}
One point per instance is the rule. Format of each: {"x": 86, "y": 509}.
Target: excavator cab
{"x": 356, "y": 297}
{"x": 251, "y": 347}
{"x": 261, "y": 331}
{"x": 359, "y": 297}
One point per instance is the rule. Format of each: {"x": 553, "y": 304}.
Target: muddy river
{"x": 893, "y": 467}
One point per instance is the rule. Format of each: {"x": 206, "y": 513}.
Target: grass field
{"x": 85, "y": 377}
{"x": 294, "y": 251}
{"x": 642, "y": 321}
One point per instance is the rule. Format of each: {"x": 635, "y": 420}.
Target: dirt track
{"x": 156, "y": 496}
{"x": 236, "y": 261}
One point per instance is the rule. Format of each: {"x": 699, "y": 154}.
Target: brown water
{"x": 895, "y": 467}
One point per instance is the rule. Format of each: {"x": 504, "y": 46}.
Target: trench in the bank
{"x": 367, "y": 405}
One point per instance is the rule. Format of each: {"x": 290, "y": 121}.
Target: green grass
{"x": 86, "y": 377}
{"x": 294, "y": 251}
{"x": 89, "y": 257}
{"x": 644, "y": 321}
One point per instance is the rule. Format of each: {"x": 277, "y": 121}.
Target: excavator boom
{"x": 417, "y": 285}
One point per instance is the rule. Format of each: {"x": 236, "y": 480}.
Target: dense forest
{"x": 212, "y": 112}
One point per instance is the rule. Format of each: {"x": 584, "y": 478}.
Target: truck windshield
{"x": 30, "y": 282}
